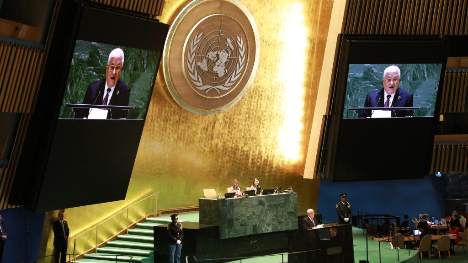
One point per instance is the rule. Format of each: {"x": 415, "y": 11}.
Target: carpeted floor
{"x": 387, "y": 255}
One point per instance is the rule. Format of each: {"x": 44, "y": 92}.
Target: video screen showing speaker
{"x": 93, "y": 100}
{"x": 384, "y": 107}
{"x": 391, "y": 90}
{"x": 104, "y": 74}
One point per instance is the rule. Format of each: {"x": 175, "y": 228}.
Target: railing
{"x": 358, "y": 218}
{"x": 118, "y": 223}
{"x": 71, "y": 259}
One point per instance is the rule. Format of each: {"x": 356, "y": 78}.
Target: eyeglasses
{"x": 390, "y": 80}
{"x": 112, "y": 68}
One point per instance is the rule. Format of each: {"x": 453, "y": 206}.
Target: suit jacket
{"x": 343, "y": 211}
{"x": 307, "y": 223}
{"x": 402, "y": 98}
{"x": 95, "y": 95}
{"x": 3, "y": 230}
{"x": 175, "y": 232}
{"x": 59, "y": 232}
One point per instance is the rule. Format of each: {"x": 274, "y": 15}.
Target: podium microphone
{"x": 99, "y": 93}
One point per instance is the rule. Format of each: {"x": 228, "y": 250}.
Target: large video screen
{"x": 384, "y": 99}
{"x": 391, "y": 86}
{"x": 91, "y": 108}
{"x": 97, "y": 67}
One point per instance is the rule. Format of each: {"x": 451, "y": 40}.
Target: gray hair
{"x": 310, "y": 211}
{"x": 391, "y": 69}
{"x": 116, "y": 53}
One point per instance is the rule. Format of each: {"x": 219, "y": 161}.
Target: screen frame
{"x": 40, "y": 143}
{"x": 365, "y": 49}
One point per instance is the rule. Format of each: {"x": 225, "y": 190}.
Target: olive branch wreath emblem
{"x": 196, "y": 78}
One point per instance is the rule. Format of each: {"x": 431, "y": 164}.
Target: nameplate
{"x": 334, "y": 250}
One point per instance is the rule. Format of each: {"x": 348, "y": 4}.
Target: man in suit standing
{"x": 390, "y": 95}
{"x": 61, "y": 233}
{"x": 3, "y": 234}
{"x": 109, "y": 91}
{"x": 309, "y": 222}
{"x": 343, "y": 209}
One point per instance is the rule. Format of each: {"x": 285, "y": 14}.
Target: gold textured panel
{"x": 449, "y": 158}
{"x": 409, "y": 17}
{"x": 454, "y": 91}
{"x": 151, "y": 7}
{"x": 16, "y": 61}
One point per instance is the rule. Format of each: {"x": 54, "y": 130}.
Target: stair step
{"x": 130, "y": 244}
{"x": 137, "y": 231}
{"x": 125, "y": 251}
{"x": 160, "y": 220}
{"x": 95, "y": 260}
{"x": 110, "y": 256}
{"x": 150, "y": 225}
{"x": 136, "y": 238}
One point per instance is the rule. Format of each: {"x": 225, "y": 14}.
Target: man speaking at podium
{"x": 309, "y": 222}
{"x": 109, "y": 91}
{"x": 390, "y": 95}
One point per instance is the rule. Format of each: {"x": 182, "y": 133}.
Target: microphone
{"x": 99, "y": 93}
{"x": 375, "y": 105}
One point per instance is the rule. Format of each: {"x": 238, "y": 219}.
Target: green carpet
{"x": 138, "y": 244}
{"x": 387, "y": 255}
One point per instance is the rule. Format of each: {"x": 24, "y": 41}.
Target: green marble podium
{"x": 237, "y": 217}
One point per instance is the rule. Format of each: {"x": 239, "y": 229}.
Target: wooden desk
{"x": 409, "y": 238}
{"x": 439, "y": 227}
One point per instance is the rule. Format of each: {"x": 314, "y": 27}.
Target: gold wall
{"x": 265, "y": 135}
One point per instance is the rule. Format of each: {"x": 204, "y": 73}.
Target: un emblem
{"x": 220, "y": 48}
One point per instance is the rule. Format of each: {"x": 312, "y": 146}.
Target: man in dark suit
{"x": 109, "y": 91}
{"x": 175, "y": 234}
{"x": 3, "y": 234}
{"x": 390, "y": 95}
{"x": 309, "y": 222}
{"x": 343, "y": 209}
{"x": 61, "y": 233}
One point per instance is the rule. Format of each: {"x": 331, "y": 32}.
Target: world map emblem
{"x": 219, "y": 49}
{"x": 215, "y": 57}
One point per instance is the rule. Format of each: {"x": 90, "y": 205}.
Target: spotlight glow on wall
{"x": 292, "y": 63}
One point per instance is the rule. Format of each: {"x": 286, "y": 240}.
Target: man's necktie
{"x": 387, "y": 102}
{"x": 106, "y": 98}
{"x": 63, "y": 227}
{"x": 312, "y": 222}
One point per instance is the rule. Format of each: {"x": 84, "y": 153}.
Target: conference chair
{"x": 398, "y": 241}
{"x": 463, "y": 222}
{"x": 425, "y": 246}
{"x": 443, "y": 244}
{"x": 209, "y": 193}
{"x": 463, "y": 241}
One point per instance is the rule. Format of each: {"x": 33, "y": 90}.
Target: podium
{"x": 114, "y": 111}
{"x": 364, "y": 112}
{"x": 333, "y": 244}
{"x": 237, "y": 217}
